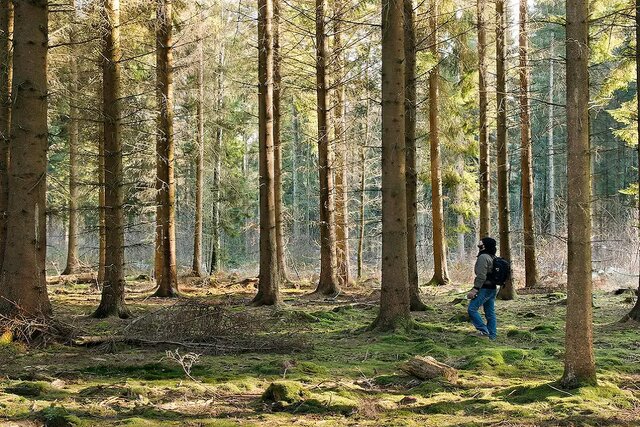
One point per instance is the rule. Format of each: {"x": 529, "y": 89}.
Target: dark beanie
{"x": 490, "y": 245}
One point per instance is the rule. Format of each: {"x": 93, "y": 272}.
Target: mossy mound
{"x": 29, "y": 388}
{"x": 285, "y": 391}
{"x": 57, "y": 416}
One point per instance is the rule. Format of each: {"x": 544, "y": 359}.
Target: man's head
{"x": 488, "y": 245}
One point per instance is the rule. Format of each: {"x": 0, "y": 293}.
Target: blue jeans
{"x": 487, "y": 299}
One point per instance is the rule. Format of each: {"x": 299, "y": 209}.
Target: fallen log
{"x": 81, "y": 278}
{"x": 427, "y": 368}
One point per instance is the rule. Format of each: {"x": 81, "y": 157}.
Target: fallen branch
{"x": 427, "y": 368}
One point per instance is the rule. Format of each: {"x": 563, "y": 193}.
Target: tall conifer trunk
{"x": 551, "y": 182}
{"x": 23, "y": 286}
{"x": 440, "y": 273}
{"x": 217, "y": 169}
{"x": 328, "y": 283}
{"x": 485, "y": 177}
{"x": 277, "y": 141}
{"x": 579, "y": 363}
{"x": 507, "y": 292}
{"x": 341, "y": 184}
{"x": 635, "y": 311}
{"x": 526, "y": 161}
{"x": 394, "y": 296}
{"x": 410, "y": 157}
{"x": 166, "y": 273}
{"x": 6, "y": 76}
{"x": 112, "y": 300}
{"x": 269, "y": 277}
{"x": 73, "y": 263}
{"x": 196, "y": 266}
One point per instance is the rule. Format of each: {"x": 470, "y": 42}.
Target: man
{"x": 484, "y": 291}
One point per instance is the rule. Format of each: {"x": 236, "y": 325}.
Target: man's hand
{"x": 472, "y": 294}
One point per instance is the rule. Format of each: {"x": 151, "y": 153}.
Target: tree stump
{"x": 427, "y": 368}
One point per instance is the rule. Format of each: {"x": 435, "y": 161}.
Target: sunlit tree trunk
{"x": 341, "y": 186}
{"x": 167, "y": 276}
{"x": 112, "y": 300}
{"x": 297, "y": 138}
{"x": 328, "y": 283}
{"x": 394, "y": 297}
{"x": 485, "y": 214}
{"x": 507, "y": 292}
{"x": 551, "y": 170}
{"x": 526, "y": 161}
{"x": 363, "y": 173}
{"x": 269, "y": 277}
{"x": 196, "y": 267}
{"x": 410, "y": 151}
{"x": 440, "y": 273}
{"x": 23, "y": 286}
{"x": 6, "y": 76}
{"x": 579, "y": 363}
{"x": 216, "y": 258}
{"x": 277, "y": 142}
{"x": 73, "y": 263}
{"x": 635, "y": 311}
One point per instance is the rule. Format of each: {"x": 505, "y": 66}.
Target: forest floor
{"x": 336, "y": 372}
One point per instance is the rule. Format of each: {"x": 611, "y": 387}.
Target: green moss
{"x": 148, "y": 371}
{"x": 285, "y": 391}
{"x": 29, "y": 388}
{"x": 485, "y": 359}
{"x": 530, "y": 393}
{"x": 329, "y": 405}
{"x": 312, "y": 368}
{"x": 57, "y": 416}
{"x": 520, "y": 335}
{"x": 513, "y": 355}
{"x": 545, "y": 329}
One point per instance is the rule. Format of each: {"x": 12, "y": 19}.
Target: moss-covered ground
{"x": 345, "y": 376}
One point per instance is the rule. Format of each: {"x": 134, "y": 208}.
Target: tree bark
{"x": 23, "y": 286}
{"x": 277, "y": 143}
{"x": 526, "y": 162}
{"x": 508, "y": 291}
{"x": 440, "y": 273}
{"x": 635, "y": 311}
{"x": 410, "y": 154}
{"x": 6, "y": 77}
{"x": 295, "y": 124}
{"x": 196, "y": 267}
{"x": 363, "y": 173}
{"x": 485, "y": 177}
{"x": 328, "y": 284}
{"x": 102, "y": 233}
{"x": 579, "y": 364}
{"x": 216, "y": 257}
{"x": 394, "y": 297}
{"x": 551, "y": 183}
{"x": 167, "y": 277}
{"x": 112, "y": 301}
{"x": 73, "y": 263}
{"x": 341, "y": 185}
{"x": 269, "y": 277}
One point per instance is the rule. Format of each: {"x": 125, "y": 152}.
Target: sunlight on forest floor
{"x": 340, "y": 375}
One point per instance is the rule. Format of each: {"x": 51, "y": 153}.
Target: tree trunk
{"x": 102, "y": 233}
{"x": 459, "y": 194}
{"x": 196, "y": 267}
{"x": 508, "y": 291}
{"x": 394, "y": 298}
{"x": 579, "y": 363}
{"x": 440, "y": 273}
{"x": 167, "y": 277}
{"x": 342, "y": 200}
{"x": 410, "y": 157}
{"x": 277, "y": 143}
{"x": 112, "y": 300}
{"x": 551, "y": 182}
{"x": 295, "y": 123}
{"x": 217, "y": 169}
{"x": 23, "y": 286}
{"x": 328, "y": 284}
{"x": 6, "y": 77}
{"x": 635, "y": 311}
{"x": 363, "y": 173}
{"x": 526, "y": 162}
{"x": 269, "y": 277}
{"x": 485, "y": 177}
{"x": 73, "y": 263}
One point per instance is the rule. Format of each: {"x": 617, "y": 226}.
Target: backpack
{"x": 500, "y": 272}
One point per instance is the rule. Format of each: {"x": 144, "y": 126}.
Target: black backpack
{"x": 500, "y": 272}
